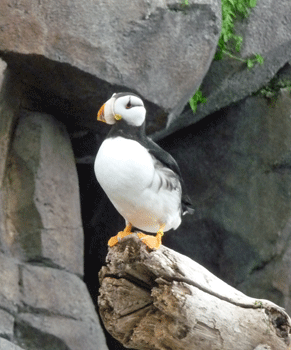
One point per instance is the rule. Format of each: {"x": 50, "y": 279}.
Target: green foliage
{"x": 184, "y": 5}
{"x": 229, "y": 42}
{"x": 272, "y": 89}
{"x": 256, "y": 59}
{"x": 196, "y": 99}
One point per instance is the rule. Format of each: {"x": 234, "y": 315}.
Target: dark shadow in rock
{"x": 68, "y": 93}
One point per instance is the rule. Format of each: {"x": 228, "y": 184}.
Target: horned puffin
{"x": 142, "y": 181}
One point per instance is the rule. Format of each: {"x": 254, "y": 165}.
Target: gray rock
{"x": 238, "y": 171}
{"x": 45, "y": 308}
{"x": 6, "y": 324}
{"x": 58, "y": 292}
{"x": 56, "y": 312}
{"x": 40, "y": 222}
{"x": 43, "y": 210}
{"x": 159, "y": 49}
{"x": 9, "y": 287}
{"x": 267, "y": 31}
{"x": 53, "y": 332}
{"x": 10, "y": 91}
{"x": 9, "y": 299}
{"x": 3, "y": 66}
{"x": 272, "y": 279}
{"x": 66, "y": 60}
{"x": 7, "y": 345}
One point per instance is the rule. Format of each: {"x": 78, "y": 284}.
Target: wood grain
{"x": 163, "y": 300}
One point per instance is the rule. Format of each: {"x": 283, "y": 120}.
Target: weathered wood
{"x": 164, "y": 300}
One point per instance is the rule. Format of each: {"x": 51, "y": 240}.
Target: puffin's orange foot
{"x": 153, "y": 242}
{"x": 121, "y": 234}
{"x": 113, "y": 240}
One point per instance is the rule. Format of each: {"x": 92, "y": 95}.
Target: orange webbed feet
{"x": 153, "y": 242}
{"x": 115, "y": 239}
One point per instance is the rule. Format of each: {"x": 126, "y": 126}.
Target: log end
{"x": 160, "y": 299}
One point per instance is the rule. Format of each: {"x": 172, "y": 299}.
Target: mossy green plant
{"x": 231, "y": 9}
{"x": 229, "y": 42}
{"x": 272, "y": 89}
{"x": 196, "y": 99}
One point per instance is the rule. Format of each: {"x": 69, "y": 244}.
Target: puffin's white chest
{"x": 127, "y": 174}
{"x": 123, "y": 167}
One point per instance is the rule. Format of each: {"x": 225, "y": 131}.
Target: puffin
{"x": 142, "y": 180}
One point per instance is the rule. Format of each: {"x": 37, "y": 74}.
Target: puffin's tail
{"x": 187, "y": 207}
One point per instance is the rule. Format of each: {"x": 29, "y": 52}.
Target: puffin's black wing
{"x": 125, "y": 130}
{"x": 166, "y": 159}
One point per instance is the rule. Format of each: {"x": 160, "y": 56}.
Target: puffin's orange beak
{"x": 100, "y": 115}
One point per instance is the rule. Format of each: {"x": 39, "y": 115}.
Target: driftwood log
{"x": 164, "y": 300}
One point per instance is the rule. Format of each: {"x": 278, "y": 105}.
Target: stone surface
{"x": 40, "y": 223}
{"x": 66, "y": 60}
{"x": 43, "y": 212}
{"x": 236, "y": 164}
{"x": 7, "y": 345}
{"x": 56, "y": 312}
{"x": 9, "y": 299}
{"x": 51, "y": 332}
{"x": 6, "y": 325}
{"x": 60, "y": 292}
{"x": 150, "y": 47}
{"x": 10, "y": 92}
{"x": 272, "y": 280}
{"x": 229, "y": 80}
{"x": 46, "y": 308}
{"x": 3, "y": 66}
{"x": 9, "y": 288}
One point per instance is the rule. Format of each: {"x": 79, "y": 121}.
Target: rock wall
{"x": 149, "y": 47}
{"x": 44, "y": 304}
{"x": 266, "y": 31}
{"x": 237, "y": 168}
{"x": 41, "y": 180}
{"x": 63, "y": 61}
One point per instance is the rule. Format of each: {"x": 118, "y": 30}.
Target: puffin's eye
{"x": 128, "y": 105}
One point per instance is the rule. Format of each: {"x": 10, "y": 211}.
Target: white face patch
{"x": 127, "y": 107}
{"x": 109, "y": 111}
{"x": 131, "y": 108}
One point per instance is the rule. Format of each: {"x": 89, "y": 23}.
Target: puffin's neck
{"x": 121, "y": 128}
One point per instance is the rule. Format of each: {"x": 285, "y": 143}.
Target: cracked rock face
{"x": 64, "y": 60}
{"x": 45, "y": 308}
{"x": 267, "y": 32}
{"x": 237, "y": 169}
{"x": 159, "y": 49}
{"x": 44, "y": 304}
{"x": 41, "y": 180}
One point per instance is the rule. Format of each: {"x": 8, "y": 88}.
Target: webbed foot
{"x": 121, "y": 234}
{"x": 153, "y": 242}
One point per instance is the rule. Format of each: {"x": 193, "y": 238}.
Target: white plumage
{"x": 142, "y": 180}
{"x": 126, "y": 172}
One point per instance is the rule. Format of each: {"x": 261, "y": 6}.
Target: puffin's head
{"x": 123, "y": 106}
